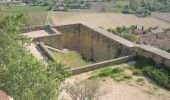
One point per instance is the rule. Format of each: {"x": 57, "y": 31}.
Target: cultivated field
{"x": 32, "y": 18}
{"x": 103, "y": 20}
{"x": 162, "y": 16}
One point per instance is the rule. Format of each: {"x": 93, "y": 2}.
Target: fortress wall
{"x": 101, "y": 64}
{"x": 97, "y": 45}
{"x": 157, "y": 55}
{"x": 54, "y": 40}
{"x": 71, "y": 36}
{"x": 33, "y": 28}
{"x": 100, "y": 47}
{"x": 86, "y": 46}
{"x": 91, "y": 43}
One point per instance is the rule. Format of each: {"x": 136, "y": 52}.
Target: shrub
{"x": 127, "y": 77}
{"x": 141, "y": 80}
{"x": 159, "y": 75}
{"x": 117, "y": 70}
{"x": 105, "y": 72}
{"x": 130, "y": 37}
{"x": 137, "y": 72}
{"x": 21, "y": 75}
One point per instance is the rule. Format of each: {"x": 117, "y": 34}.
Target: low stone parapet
{"x": 46, "y": 51}
{"x": 102, "y": 64}
{"x": 54, "y": 40}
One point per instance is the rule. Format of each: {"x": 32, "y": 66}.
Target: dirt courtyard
{"x": 125, "y": 90}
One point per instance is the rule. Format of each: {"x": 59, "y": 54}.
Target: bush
{"x": 117, "y": 70}
{"x": 137, "y": 72}
{"x": 108, "y": 72}
{"x": 140, "y": 80}
{"x": 21, "y": 75}
{"x": 105, "y": 72}
{"x": 127, "y": 77}
{"x": 159, "y": 74}
{"x": 131, "y": 37}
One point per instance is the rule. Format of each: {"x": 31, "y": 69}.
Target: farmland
{"x": 162, "y": 16}
{"x": 104, "y": 20}
{"x": 32, "y": 18}
{"x": 36, "y": 15}
{"x": 23, "y": 8}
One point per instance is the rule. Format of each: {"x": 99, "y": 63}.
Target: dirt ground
{"x": 125, "y": 90}
{"x": 35, "y": 51}
{"x": 33, "y": 48}
{"x": 35, "y": 34}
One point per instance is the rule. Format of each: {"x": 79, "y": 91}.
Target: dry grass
{"x": 70, "y": 59}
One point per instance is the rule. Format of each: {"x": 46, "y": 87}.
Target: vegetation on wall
{"x": 21, "y": 75}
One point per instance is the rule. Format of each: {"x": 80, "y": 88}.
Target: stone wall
{"x": 54, "y": 40}
{"x": 157, "y": 55}
{"x": 46, "y": 51}
{"x": 101, "y": 64}
{"x": 93, "y": 44}
{"x": 98, "y": 45}
{"x": 70, "y": 35}
{"x": 33, "y": 28}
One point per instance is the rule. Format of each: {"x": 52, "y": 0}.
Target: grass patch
{"x": 122, "y": 3}
{"x": 112, "y": 10}
{"x": 140, "y": 80}
{"x": 117, "y": 74}
{"x": 128, "y": 77}
{"x": 121, "y": 77}
{"x": 135, "y": 71}
{"x": 70, "y": 59}
{"x": 118, "y": 70}
{"x": 106, "y": 72}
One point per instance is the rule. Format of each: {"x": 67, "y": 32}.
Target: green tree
{"x": 134, "y": 4}
{"x": 21, "y": 75}
{"x": 130, "y": 36}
